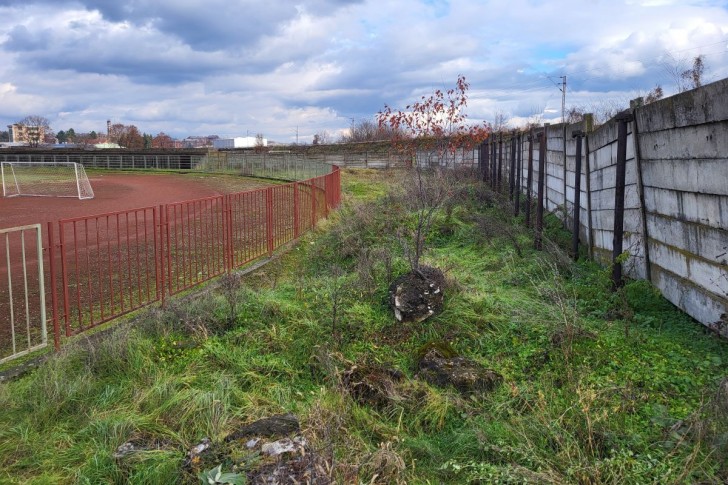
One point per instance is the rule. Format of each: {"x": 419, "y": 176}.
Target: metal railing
{"x": 106, "y": 265}
{"x": 22, "y": 292}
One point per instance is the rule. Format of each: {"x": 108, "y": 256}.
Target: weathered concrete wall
{"x": 584, "y": 204}
{"x": 554, "y": 194}
{"x": 683, "y": 147}
{"x": 602, "y": 178}
{"x": 676, "y": 195}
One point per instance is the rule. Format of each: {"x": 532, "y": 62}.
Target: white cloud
{"x": 192, "y": 67}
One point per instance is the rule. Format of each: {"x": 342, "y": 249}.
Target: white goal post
{"x": 45, "y": 179}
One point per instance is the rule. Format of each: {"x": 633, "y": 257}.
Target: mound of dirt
{"x": 417, "y": 295}
{"x": 465, "y": 375}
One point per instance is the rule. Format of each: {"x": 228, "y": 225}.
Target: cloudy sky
{"x": 278, "y": 67}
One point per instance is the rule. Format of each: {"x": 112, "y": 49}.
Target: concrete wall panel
{"x": 700, "y": 176}
{"x": 709, "y": 210}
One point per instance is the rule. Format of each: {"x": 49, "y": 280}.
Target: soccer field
{"x": 115, "y": 191}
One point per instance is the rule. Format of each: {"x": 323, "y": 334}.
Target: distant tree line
{"x": 126, "y": 136}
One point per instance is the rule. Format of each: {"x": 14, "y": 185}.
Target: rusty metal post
{"x": 618, "y": 239}
{"x": 538, "y": 242}
{"x": 494, "y": 165}
{"x": 53, "y": 287}
{"x": 519, "y": 173}
{"x": 64, "y": 280}
{"x": 312, "y": 187}
{"x": 296, "y": 208}
{"x": 500, "y": 163}
{"x": 167, "y": 242}
{"x": 512, "y": 171}
{"x": 269, "y": 219}
{"x": 578, "y": 134}
{"x": 529, "y": 180}
{"x": 485, "y": 152}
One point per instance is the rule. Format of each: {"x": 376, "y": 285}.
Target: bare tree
{"x": 674, "y": 67}
{"x": 366, "y": 130}
{"x": 683, "y": 75}
{"x": 654, "y": 95}
{"x": 260, "y": 145}
{"x": 36, "y": 128}
{"x": 575, "y": 114}
{"x": 606, "y": 109}
{"x": 115, "y": 132}
{"x": 694, "y": 75}
{"x": 500, "y": 121}
{"x": 322, "y": 138}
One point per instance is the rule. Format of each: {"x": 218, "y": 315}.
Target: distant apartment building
{"x": 26, "y": 134}
{"x": 240, "y": 142}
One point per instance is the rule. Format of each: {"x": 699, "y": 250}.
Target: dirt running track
{"x": 121, "y": 191}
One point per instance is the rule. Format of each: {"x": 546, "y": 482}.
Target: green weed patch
{"x": 598, "y": 387}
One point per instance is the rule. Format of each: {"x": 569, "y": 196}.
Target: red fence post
{"x": 338, "y": 186}
{"x": 269, "y": 218}
{"x": 159, "y": 253}
{"x": 64, "y": 280}
{"x": 327, "y": 194}
{"x": 313, "y": 203}
{"x": 227, "y": 232}
{"x": 231, "y": 229}
{"x": 296, "y": 223}
{"x": 52, "y": 276}
{"x": 167, "y": 253}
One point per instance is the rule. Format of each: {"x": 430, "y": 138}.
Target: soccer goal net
{"x": 45, "y": 179}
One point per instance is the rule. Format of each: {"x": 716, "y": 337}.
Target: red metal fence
{"x": 107, "y": 265}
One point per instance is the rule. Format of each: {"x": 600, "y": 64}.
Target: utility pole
{"x": 563, "y": 99}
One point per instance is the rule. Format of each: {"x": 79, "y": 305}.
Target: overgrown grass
{"x": 598, "y": 387}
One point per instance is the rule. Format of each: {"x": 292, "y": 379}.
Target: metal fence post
{"x": 312, "y": 188}
{"x": 512, "y": 171}
{"x": 269, "y": 219}
{"x": 486, "y": 160}
{"x": 538, "y": 243}
{"x": 227, "y": 231}
{"x": 529, "y": 180}
{"x": 53, "y": 286}
{"x": 519, "y": 172}
{"x": 578, "y": 134}
{"x": 296, "y": 208}
{"x": 64, "y": 281}
{"x": 500, "y": 163}
{"x": 618, "y": 239}
{"x": 157, "y": 241}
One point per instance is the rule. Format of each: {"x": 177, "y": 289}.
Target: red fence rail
{"x": 106, "y": 265}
